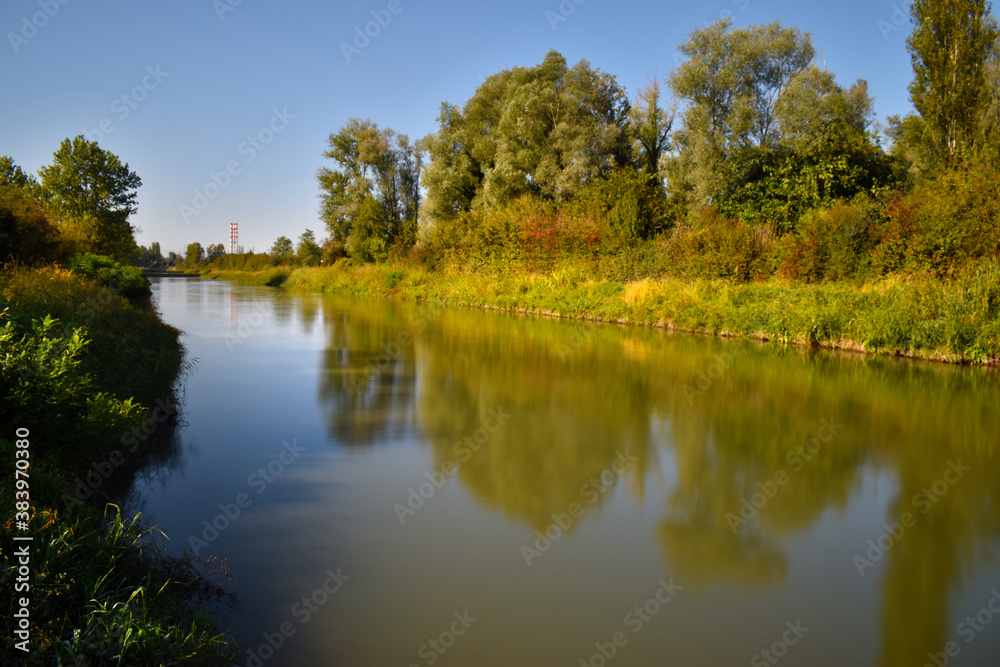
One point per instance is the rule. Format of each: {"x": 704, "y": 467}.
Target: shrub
{"x": 833, "y": 244}
{"x": 713, "y": 246}
{"x": 129, "y": 281}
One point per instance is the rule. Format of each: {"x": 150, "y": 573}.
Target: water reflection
{"x": 737, "y": 434}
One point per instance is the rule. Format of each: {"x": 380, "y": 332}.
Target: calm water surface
{"x": 450, "y": 487}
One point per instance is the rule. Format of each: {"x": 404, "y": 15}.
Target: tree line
{"x": 749, "y": 159}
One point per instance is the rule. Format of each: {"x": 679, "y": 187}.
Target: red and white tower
{"x": 234, "y": 237}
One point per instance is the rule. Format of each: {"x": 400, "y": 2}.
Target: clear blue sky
{"x": 222, "y": 74}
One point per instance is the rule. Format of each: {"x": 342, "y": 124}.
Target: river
{"x": 395, "y": 484}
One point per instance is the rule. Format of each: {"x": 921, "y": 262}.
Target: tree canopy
{"x": 373, "y": 164}
{"x": 92, "y": 193}
{"x": 546, "y": 130}
{"x": 951, "y": 48}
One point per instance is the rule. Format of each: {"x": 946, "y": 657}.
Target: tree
{"x": 651, "y": 127}
{"x": 373, "y": 163}
{"x": 92, "y": 193}
{"x": 282, "y": 250}
{"x": 13, "y": 176}
{"x": 215, "y": 252}
{"x": 195, "y": 254}
{"x": 154, "y": 252}
{"x": 824, "y": 152}
{"x": 546, "y": 130}
{"x": 950, "y": 49}
{"x": 732, "y": 82}
{"x": 26, "y": 235}
{"x": 308, "y": 252}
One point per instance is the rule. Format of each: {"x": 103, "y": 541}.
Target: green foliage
{"x": 194, "y": 254}
{"x": 944, "y": 223}
{"x": 545, "y": 131}
{"x": 26, "y": 235}
{"x": 376, "y": 164}
{"x": 130, "y": 354}
{"x": 129, "y": 281}
{"x": 829, "y": 244}
{"x": 214, "y": 252}
{"x": 92, "y": 193}
{"x": 651, "y": 125}
{"x": 282, "y": 252}
{"x": 308, "y": 252}
{"x": 632, "y": 204}
{"x": 713, "y": 246}
{"x": 44, "y": 384}
{"x": 950, "y": 47}
{"x": 368, "y": 240}
{"x": 732, "y": 80}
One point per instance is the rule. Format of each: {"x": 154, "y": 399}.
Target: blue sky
{"x": 255, "y": 87}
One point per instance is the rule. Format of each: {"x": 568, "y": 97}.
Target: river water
{"x": 394, "y": 484}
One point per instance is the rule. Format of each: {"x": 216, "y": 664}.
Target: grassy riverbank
{"x": 955, "y": 319}
{"x": 87, "y": 374}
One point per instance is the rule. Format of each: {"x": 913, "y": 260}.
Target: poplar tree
{"x": 950, "y": 47}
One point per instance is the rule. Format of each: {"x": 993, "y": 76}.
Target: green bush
{"x": 129, "y": 281}
{"x": 831, "y": 244}
{"x": 712, "y": 246}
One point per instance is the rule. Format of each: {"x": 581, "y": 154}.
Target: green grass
{"x": 955, "y": 319}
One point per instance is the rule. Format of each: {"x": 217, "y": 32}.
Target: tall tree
{"x": 546, "y": 130}
{"x": 651, "y": 125}
{"x": 13, "y": 176}
{"x": 308, "y": 251}
{"x": 375, "y": 163}
{"x": 282, "y": 250}
{"x": 950, "y": 47}
{"x": 732, "y": 81}
{"x": 195, "y": 254}
{"x": 92, "y": 193}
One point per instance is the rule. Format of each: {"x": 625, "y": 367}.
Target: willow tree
{"x": 547, "y": 130}
{"x": 950, "y": 48}
{"x": 731, "y": 82}
{"x": 375, "y": 167}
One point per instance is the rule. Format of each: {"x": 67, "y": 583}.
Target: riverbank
{"x": 955, "y": 320}
{"x": 88, "y": 373}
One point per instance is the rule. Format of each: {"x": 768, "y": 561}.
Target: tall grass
{"x": 956, "y": 319}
